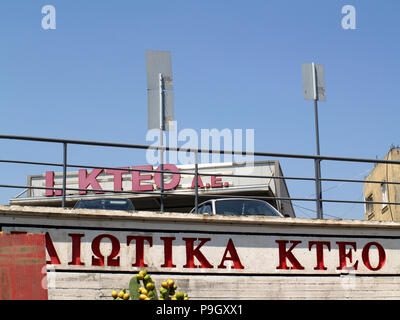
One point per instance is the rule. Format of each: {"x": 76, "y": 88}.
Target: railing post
{"x": 64, "y": 187}
{"x": 196, "y": 178}
{"x": 162, "y": 171}
{"x": 162, "y": 189}
{"x": 318, "y": 191}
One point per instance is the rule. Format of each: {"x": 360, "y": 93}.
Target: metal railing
{"x": 315, "y": 158}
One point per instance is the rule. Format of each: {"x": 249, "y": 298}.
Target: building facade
{"x": 384, "y": 190}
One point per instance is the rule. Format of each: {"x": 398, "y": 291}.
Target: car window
{"x": 258, "y": 208}
{"x": 108, "y": 204}
{"x": 229, "y": 207}
{"x": 207, "y": 208}
{"x": 204, "y": 208}
{"x": 244, "y": 207}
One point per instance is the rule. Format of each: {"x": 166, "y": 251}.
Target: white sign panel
{"x": 310, "y": 78}
{"x": 121, "y": 179}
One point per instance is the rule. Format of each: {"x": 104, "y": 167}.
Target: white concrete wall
{"x": 97, "y": 286}
{"x": 256, "y": 242}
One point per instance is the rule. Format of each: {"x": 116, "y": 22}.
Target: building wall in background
{"x": 383, "y": 192}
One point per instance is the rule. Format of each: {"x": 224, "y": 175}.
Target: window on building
{"x": 369, "y": 207}
{"x": 384, "y": 194}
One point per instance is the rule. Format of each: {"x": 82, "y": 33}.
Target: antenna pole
{"x": 318, "y": 188}
{"x": 162, "y": 128}
{"x": 159, "y": 105}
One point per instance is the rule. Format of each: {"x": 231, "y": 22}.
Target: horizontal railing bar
{"x": 155, "y": 171}
{"x": 33, "y": 163}
{"x": 360, "y": 202}
{"x": 360, "y": 181}
{"x": 193, "y": 173}
{"x": 80, "y": 142}
{"x": 150, "y": 193}
{"x": 201, "y": 194}
{"x": 76, "y": 189}
{"x": 138, "y": 146}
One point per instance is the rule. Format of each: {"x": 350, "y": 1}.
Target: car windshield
{"x": 108, "y": 204}
{"x": 244, "y": 207}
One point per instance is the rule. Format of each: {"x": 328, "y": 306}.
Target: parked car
{"x": 105, "y": 203}
{"x": 238, "y": 207}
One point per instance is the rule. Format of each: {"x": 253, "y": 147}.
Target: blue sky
{"x": 236, "y": 65}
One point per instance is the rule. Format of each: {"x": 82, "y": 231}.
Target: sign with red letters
{"x": 146, "y": 178}
{"x": 177, "y": 251}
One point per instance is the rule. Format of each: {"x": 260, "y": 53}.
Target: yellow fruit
{"x": 163, "y": 290}
{"x": 150, "y": 286}
{"x": 147, "y": 278}
{"x": 144, "y": 272}
{"x": 147, "y": 298}
{"x": 126, "y": 296}
{"x": 170, "y": 282}
{"x": 114, "y": 294}
{"x": 179, "y": 295}
{"x": 142, "y": 297}
{"x": 173, "y": 298}
{"x": 185, "y": 298}
{"x": 121, "y": 294}
{"x": 140, "y": 289}
{"x": 140, "y": 276}
{"x": 144, "y": 291}
{"x": 164, "y": 284}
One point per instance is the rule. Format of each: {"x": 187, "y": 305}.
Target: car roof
{"x": 235, "y": 199}
{"x": 242, "y": 199}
